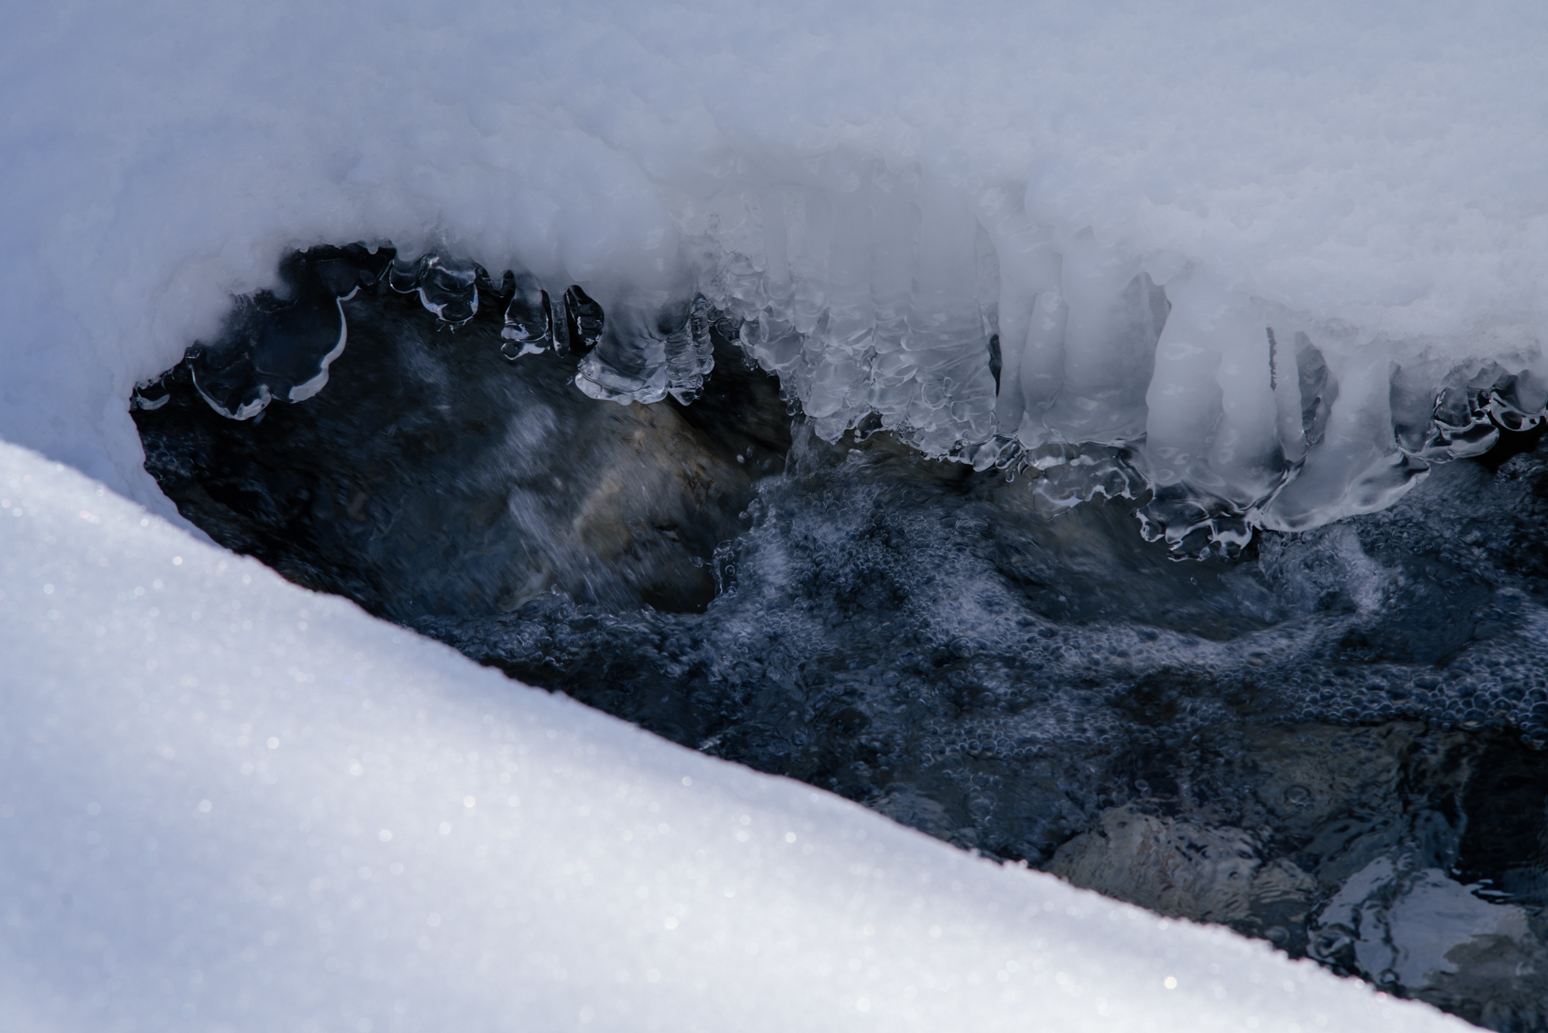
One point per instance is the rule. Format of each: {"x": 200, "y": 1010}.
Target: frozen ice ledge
{"x": 969, "y": 335}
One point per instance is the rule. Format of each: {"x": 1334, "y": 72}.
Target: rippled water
{"x": 1333, "y": 740}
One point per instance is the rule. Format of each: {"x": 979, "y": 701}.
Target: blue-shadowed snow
{"x": 228, "y": 803}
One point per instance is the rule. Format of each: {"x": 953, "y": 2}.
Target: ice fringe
{"x": 1073, "y": 367}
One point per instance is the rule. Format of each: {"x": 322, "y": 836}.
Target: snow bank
{"x": 230, "y": 804}
{"x": 877, "y": 187}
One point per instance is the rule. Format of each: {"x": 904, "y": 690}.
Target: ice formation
{"x": 1220, "y": 440}
{"x": 229, "y": 803}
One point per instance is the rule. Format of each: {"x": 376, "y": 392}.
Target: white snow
{"x": 230, "y": 804}
{"x": 893, "y": 180}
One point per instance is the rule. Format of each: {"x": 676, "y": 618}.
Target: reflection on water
{"x": 1332, "y": 741}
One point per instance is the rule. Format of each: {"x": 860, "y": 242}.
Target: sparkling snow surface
{"x": 230, "y": 804}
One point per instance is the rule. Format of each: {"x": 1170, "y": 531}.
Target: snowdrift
{"x": 227, "y": 803}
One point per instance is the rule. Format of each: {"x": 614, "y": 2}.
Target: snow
{"x": 891, "y": 181}
{"x": 227, "y": 803}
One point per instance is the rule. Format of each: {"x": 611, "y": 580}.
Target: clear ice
{"x": 1226, "y": 416}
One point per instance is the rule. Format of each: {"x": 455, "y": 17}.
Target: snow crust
{"x": 227, "y": 803}
{"x": 888, "y": 183}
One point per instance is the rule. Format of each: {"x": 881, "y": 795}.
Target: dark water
{"x": 1333, "y": 741}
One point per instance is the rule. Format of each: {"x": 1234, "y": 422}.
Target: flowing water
{"x": 1333, "y": 739}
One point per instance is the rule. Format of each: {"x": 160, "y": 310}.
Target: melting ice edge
{"x": 1078, "y": 439}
